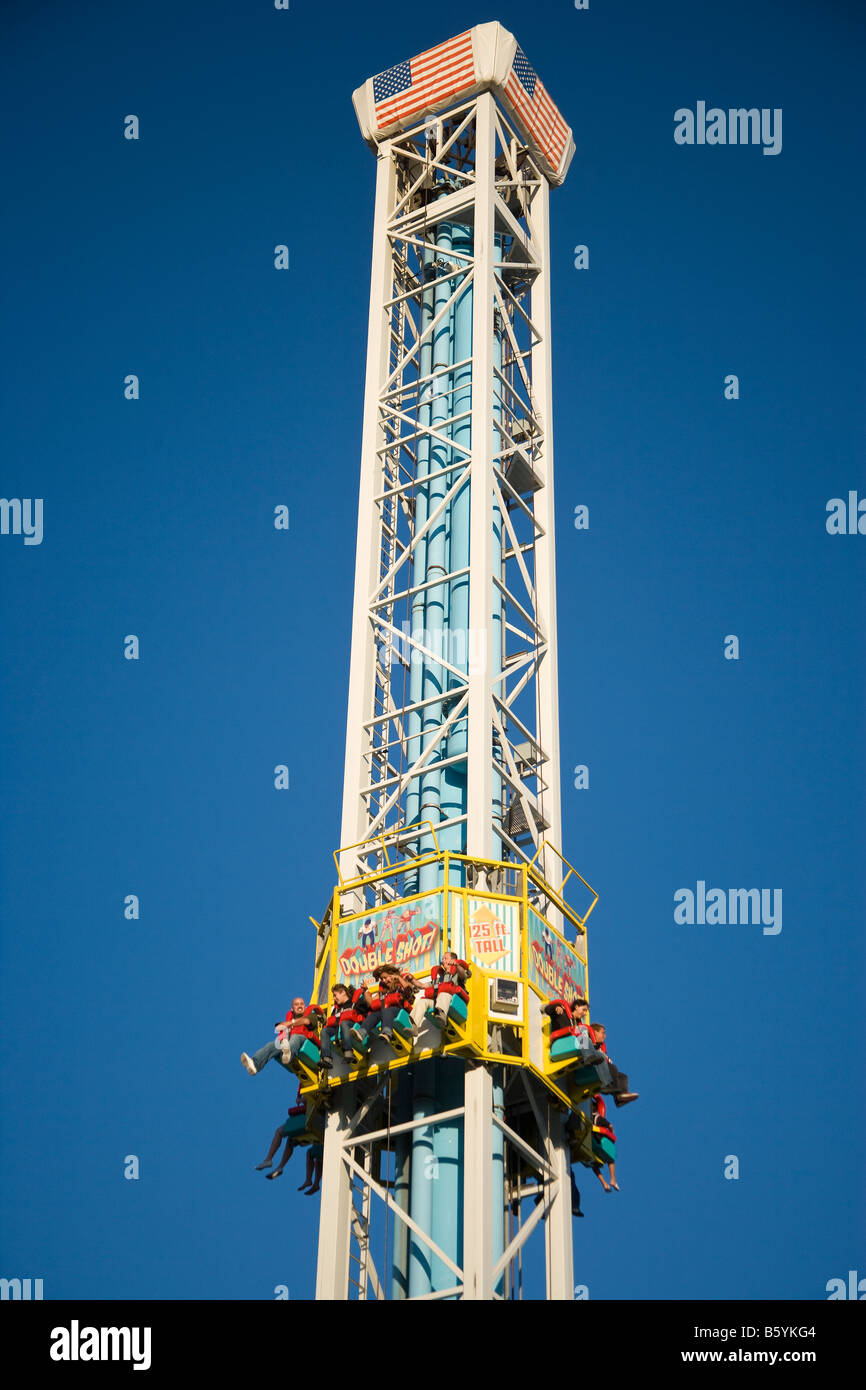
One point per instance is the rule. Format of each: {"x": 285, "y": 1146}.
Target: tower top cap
{"x": 486, "y": 58}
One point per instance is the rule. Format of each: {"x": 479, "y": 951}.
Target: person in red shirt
{"x": 570, "y": 1018}
{"x": 300, "y": 1023}
{"x": 396, "y": 991}
{"x": 448, "y": 978}
{"x": 338, "y": 1025}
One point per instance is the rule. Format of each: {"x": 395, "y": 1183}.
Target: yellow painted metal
{"x": 392, "y": 902}
{"x": 547, "y": 844}
{"x": 472, "y": 1040}
{"x": 381, "y": 842}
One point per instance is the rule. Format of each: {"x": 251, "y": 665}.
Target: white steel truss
{"x": 359, "y": 1147}
{"x": 453, "y": 709}
{"x": 483, "y": 424}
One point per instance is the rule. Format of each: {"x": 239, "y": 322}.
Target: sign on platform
{"x": 554, "y": 968}
{"x": 493, "y": 936}
{"x": 406, "y": 934}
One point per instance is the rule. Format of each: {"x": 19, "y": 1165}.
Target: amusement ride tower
{"x": 447, "y": 1149}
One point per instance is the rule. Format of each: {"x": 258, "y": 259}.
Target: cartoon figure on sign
{"x": 547, "y": 939}
{"x": 367, "y": 935}
{"x": 386, "y": 931}
{"x": 403, "y": 925}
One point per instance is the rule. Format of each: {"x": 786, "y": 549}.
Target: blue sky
{"x": 707, "y": 518}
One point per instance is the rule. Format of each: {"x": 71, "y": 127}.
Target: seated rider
{"x": 396, "y": 992}
{"x": 448, "y": 979}
{"x": 618, "y": 1087}
{"x": 300, "y": 1022}
{"x": 338, "y": 1025}
{"x": 368, "y": 1003}
{"x": 603, "y": 1125}
{"x": 283, "y": 1131}
{"x": 361, "y": 1003}
{"x": 313, "y": 1175}
{"x": 568, "y": 1019}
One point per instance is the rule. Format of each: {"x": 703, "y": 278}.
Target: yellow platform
{"x": 523, "y": 940}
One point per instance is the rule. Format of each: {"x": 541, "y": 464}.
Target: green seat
{"x": 309, "y": 1053}
{"x": 458, "y": 1013}
{"x": 604, "y": 1149}
{"x": 588, "y": 1079}
{"x": 403, "y": 1024}
{"x": 563, "y": 1048}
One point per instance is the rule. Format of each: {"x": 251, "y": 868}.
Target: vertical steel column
{"x": 545, "y": 545}
{"x": 560, "y": 1254}
{"x": 497, "y": 620}
{"x": 363, "y": 656}
{"x": 418, "y": 606}
{"x": 478, "y": 1184}
{"x": 479, "y": 829}
{"x": 335, "y": 1221}
{"x": 497, "y": 1182}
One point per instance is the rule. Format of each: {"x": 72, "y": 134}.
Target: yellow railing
{"x": 496, "y": 881}
{"x": 381, "y": 843}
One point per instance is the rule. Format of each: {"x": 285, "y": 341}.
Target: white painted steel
{"x": 480, "y": 771}
{"x": 496, "y": 182}
{"x": 478, "y": 1185}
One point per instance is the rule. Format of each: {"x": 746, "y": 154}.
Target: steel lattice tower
{"x": 451, "y": 800}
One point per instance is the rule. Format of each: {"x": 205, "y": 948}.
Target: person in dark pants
{"x": 338, "y": 1025}
{"x": 396, "y": 992}
{"x": 570, "y": 1018}
{"x": 619, "y": 1081}
{"x": 573, "y": 1127}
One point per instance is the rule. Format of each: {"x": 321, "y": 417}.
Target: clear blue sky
{"x": 707, "y": 517}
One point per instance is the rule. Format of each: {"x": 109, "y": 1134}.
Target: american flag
{"x": 421, "y": 82}
{"x": 538, "y": 113}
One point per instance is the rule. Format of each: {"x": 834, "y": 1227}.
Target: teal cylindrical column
{"x": 437, "y": 542}
{"x": 420, "y": 1180}
{"x": 418, "y": 605}
{"x": 402, "y": 1143}
{"x": 454, "y": 788}
{"x": 446, "y": 1224}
